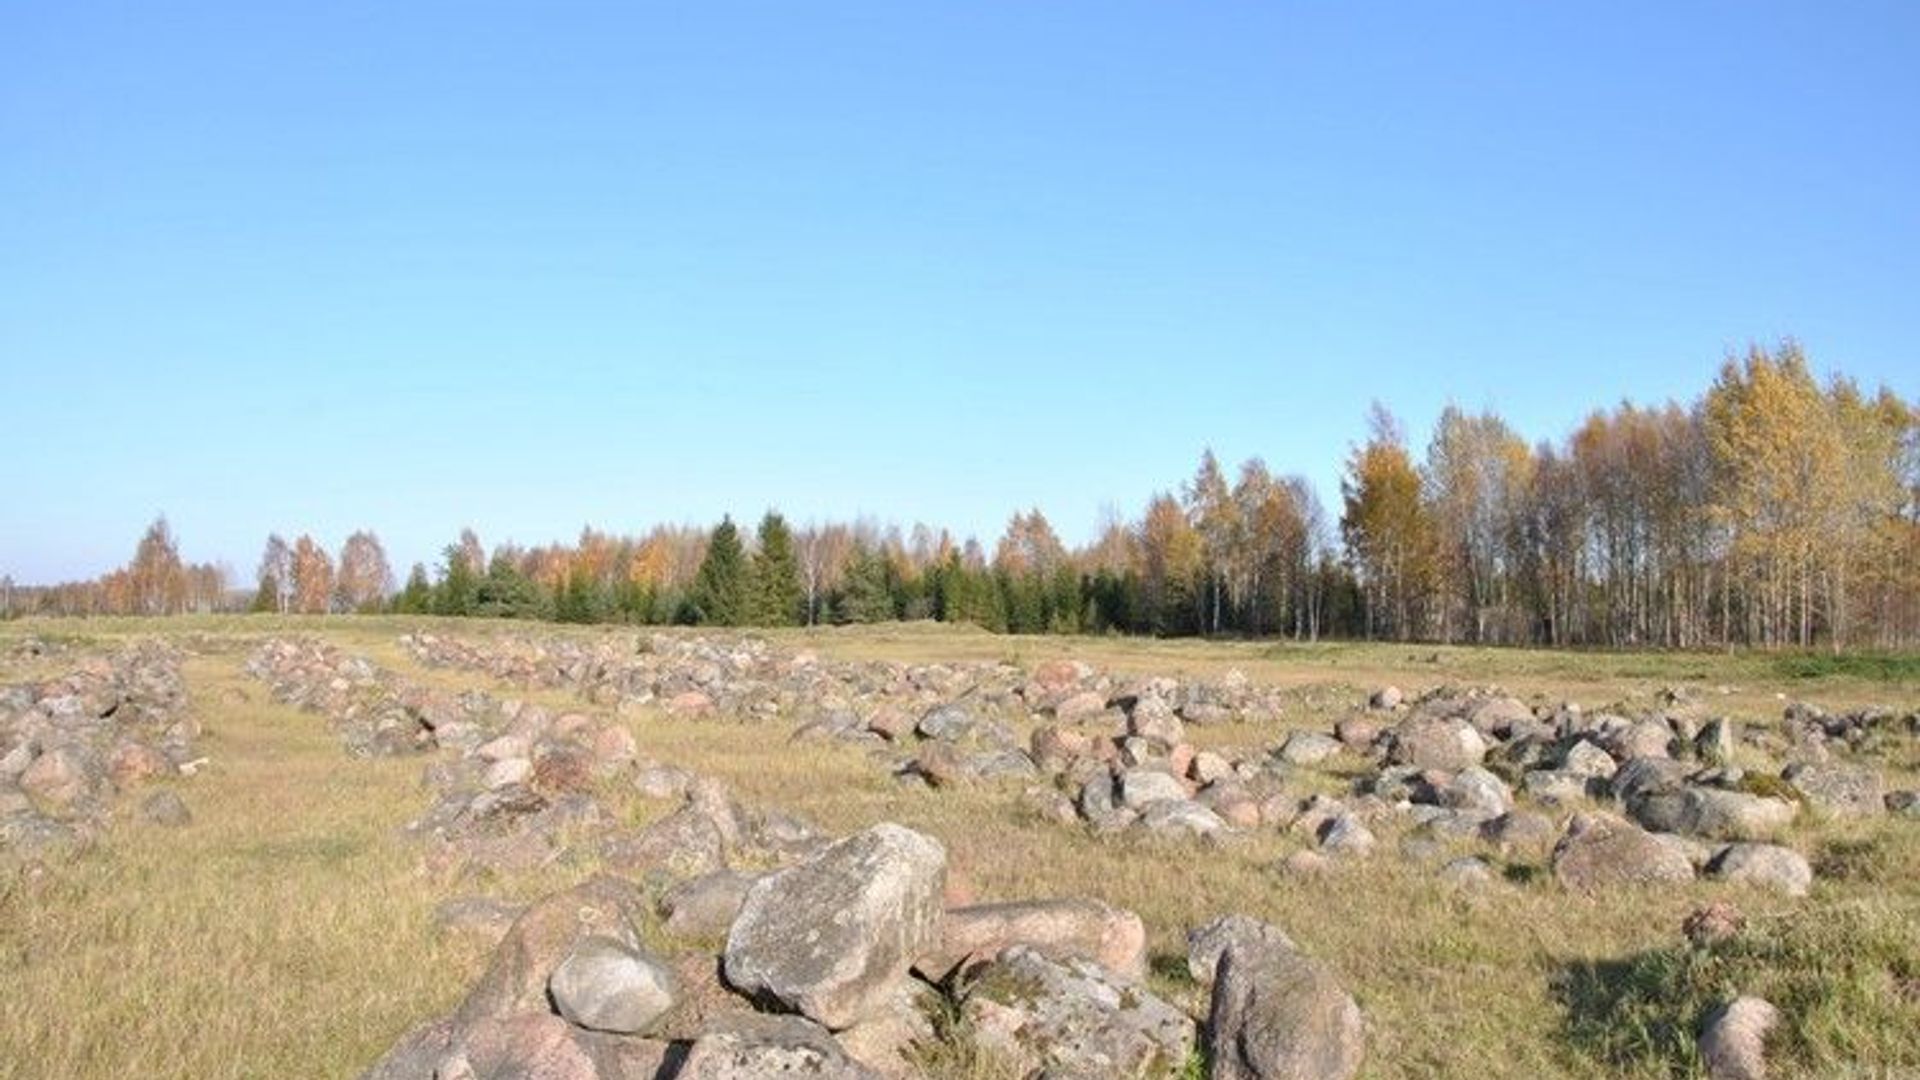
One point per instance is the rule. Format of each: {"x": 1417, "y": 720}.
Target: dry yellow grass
{"x": 287, "y": 933}
{"x": 282, "y": 933}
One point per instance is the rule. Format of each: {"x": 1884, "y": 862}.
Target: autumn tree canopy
{"x": 1774, "y": 510}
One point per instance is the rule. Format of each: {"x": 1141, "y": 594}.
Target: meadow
{"x": 289, "y": 931}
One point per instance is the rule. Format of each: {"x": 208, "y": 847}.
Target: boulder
{"x": 1141, "y": 786}
{"x": 1081, "y": 706}
{"x": 1434, "y": 742}
{"x": 1584, "y": 759}
{"x": 1278, "y": 1014}
{"x": 1154, "y": 720}
{"x": 1714, "y": 813}
{"x": 415, "y": 1055}
{"x": 1357, "y": 733}
{"x": 608, "y": 985}
{"x": 1180, "y": 817}
{"x": 166, "y": 809}
{"x": 948, "y": 723}
{"x": 705, "y": 906}
{"x": 1765, "y": 866}
{"x": 542, "y": 1046}
{"x": 516, "y": 979}
{"x": 1715, "y": 742}
{"x": 60, "y": 777}
{"x": 770, "y": 1048}
{"x": 1057, "y": 929}
{"x": 1073, "y": 1019}
{"x": 1840, "y": 790}
{"x": 830, "y": 937}
{"x": 1733, "y": 1041}
{"x": 1308, "y": 748}
{"x": 1600, "y": 851}
{"x": 1476, "y": 789}
{"x": 1499, "y": 716}
{"x": 685, "y": 843}
{"x": 1209, "y": 767}
{"x": 1206, "y": 944}
{"x": 1346, "y": 835}
{"x": 1643, "y": 739}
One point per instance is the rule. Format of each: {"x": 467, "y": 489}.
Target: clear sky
{"x": 416, "y": 265}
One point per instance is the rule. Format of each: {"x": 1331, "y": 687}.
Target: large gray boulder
{"x": 1840, "y": 790}
{"x": 1715, "y": 813}
{"x": 830, "y": 937}
{"x": 1280, "y": 1015}
{"x": 1765, "y": 866}
{"x": 1180, "y": 818}
{"x": 1499, "y": 716}
{"x": 1073, "y": 1019}
{"x": 1139, "y": 787}
{"x": 1434, "y": 742}
{"x": 606, "y": 985}
{"x": 1600, "y": 851}
{"x": 1309, "y": 748}
{"x": 1476, "y": 789}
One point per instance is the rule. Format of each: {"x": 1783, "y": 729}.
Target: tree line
{"x": 1771, "y": 511}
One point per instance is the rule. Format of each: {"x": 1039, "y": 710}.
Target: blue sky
{"x": 415, "y": 266}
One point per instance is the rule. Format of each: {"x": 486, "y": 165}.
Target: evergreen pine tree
{"x": 577, "y": 601}
{"x": 417, "y": 597}
{"x": 777, "y": 594}
{"x": 455, "y": 594}
{"x": 867, "y": 594}
{"x": 719, "y": 594}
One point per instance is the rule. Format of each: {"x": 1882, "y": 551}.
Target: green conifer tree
{"x": 867, "y": 594}
{"x": 417, "y": 597}
{"x": 719, "y": 594}
{"x": 459, "y": 585}
{"x": 777, "y": 594}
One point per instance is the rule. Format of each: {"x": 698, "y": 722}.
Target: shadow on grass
{"x": 1845, "y": 977}
{"x": 1628, "y": 1016}
{"x": 1169, "y": 966}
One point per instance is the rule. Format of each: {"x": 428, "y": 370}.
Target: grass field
{"x": 287, "y": 931}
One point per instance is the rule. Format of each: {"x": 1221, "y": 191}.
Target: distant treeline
{"x": 1770, "y": 511}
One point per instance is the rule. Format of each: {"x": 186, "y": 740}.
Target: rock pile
{"x": 516, "y": 785}
{"x": 1658, "y": 786}
{"x": 68, "y": 744}
{"x": 374, "y": 711}
{"x": 746, "y": 678}
{"x": 837, "y": 965}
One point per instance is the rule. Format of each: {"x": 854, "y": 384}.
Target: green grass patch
{"x": 1869, "y": 666}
